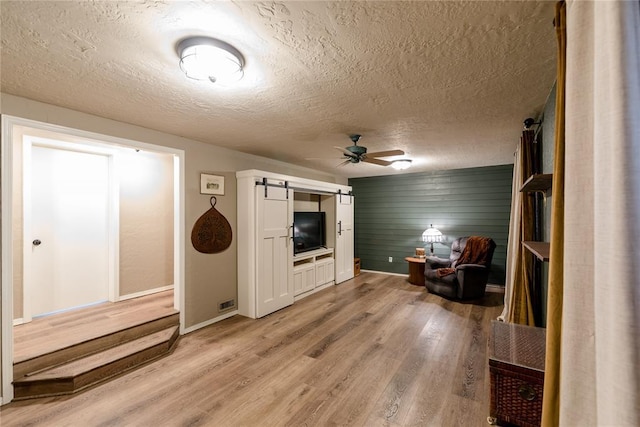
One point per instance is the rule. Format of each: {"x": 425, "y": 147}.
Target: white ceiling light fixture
{"x": 206, "y": 58}
{"x": 401, "y": 164}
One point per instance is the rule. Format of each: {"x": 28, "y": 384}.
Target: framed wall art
{"x": 211, "y": 184}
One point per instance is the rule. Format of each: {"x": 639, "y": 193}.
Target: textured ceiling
{"x": 450, "y": 83}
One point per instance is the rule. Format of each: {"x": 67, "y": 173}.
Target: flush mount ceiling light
{"x": 205, "y": 58}
{"x": 401, "y": 164}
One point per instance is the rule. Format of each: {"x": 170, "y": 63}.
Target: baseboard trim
{"x": 384, "y": 272}
{"x": 210, "y": 322}
{"x": 313, "y": 291}
{"x": 494, "y": 288}
{"x": 145, "y": 293}
{"x": 17, "y": 322}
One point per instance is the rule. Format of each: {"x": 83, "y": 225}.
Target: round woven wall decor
{"x": 212, "y": 232}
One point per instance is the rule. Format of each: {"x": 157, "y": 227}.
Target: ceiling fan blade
{"x": 386, "y": 153}
{"x": 376, "y": 161}
{"x": 345, "y": 151}
{"x": 346, "y": 162}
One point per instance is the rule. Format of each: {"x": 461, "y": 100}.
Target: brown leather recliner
{"x": 466, "y": 281}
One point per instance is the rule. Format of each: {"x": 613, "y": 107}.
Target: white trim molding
{"x": 209, "y": 322}
{"x": 144, "y": 293}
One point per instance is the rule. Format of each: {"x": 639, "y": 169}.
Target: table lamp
{"x": 432, "y": 235}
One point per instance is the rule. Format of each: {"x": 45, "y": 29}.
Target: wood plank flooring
{"x": 373, "y": 351}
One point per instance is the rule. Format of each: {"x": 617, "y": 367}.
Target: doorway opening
{"x": 93, "y": 218}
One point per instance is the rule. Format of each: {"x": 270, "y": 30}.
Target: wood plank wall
{"x": 391, "y": 212}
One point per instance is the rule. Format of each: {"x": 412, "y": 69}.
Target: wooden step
{"x": 93, "y": 345}
{"x": 79, "y": 374}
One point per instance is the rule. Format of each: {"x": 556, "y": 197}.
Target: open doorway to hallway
{"x": 93, "y": 219}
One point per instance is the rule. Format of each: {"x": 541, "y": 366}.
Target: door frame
{"x": 6, "y": 278}
{"x": 113, "y": 224}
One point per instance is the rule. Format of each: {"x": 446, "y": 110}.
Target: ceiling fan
{"x": 356, "y": 153}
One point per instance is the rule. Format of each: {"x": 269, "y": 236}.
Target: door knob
{"x": 36, "y": 242}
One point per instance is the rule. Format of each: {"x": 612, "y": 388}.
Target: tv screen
{"x": 308, "y": 231}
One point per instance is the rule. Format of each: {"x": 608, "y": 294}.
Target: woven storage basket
{"x": 516, "y": 366}
{"x": 516, "y": 397}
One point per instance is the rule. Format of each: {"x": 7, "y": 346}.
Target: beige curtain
{"x": 513, "y": 242}
{"x": 520, "y": 267}
{"x": 600, "y": 340}
{"x": 550, "y": 406}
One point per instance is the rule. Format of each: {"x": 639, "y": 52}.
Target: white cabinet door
{"x": 304, "y": 279}
{"x": 274, "y": 281}
{"x": 324, "y": 272}
{"x": 330, "y": 271}
{"x": 298, "y": 281}
{"x": 321, "y": 273}
{"x": 309, "y": 281}
{"x": 344, "y": 238}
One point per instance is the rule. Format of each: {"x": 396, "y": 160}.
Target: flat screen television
{"x": 308, "y": 231}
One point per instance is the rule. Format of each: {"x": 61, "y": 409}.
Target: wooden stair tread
{"x": 89, "y": 363}
{"x": 68, "y": 352}
{"x": 91, "y": 346}
{"x": 42, "y": 336}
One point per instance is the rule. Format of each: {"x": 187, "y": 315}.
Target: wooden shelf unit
{"x": 537, "y": 182}
{"x": 539, "y": 249}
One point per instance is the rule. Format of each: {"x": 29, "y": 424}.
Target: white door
{"x": 274, "y": 281}
{"x": 344, "y": 238}
{"x": 69, "y": 231}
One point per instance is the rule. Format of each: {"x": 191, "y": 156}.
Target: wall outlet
{"x": 390, "y": 259}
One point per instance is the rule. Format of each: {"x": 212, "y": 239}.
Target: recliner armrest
{"x": 437, "y": 262}
{"x": 470, "y": 266}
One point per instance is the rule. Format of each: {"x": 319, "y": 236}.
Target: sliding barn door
{"x": 344, "y": 238}
{"x": 274, "y": 216}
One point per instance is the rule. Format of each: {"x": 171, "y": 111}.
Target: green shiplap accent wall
{"x": 391, "y": 212}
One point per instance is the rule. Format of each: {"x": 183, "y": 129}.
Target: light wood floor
{"x": 372, "y": 351}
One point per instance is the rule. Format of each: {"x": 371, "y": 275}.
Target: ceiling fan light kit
{"x": 206, "y": 58}
{"x": 401, "y": 164}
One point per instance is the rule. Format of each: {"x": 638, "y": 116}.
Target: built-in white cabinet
{"x": 270, "y": 277}
{"x": 313, "y": 271}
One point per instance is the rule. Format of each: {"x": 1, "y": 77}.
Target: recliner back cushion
{"x": 457, "y": 246}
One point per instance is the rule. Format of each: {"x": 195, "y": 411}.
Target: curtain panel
{"x": 519, "y": 289}
{"x": 600, "y": 337}
{"x": 513, "y": 242}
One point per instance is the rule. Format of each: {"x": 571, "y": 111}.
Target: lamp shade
{"x": 204, "y": 58}
{"x": 432, "y": 235}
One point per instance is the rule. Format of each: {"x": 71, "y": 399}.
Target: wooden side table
{"x": 416, "y": 270}
{"x": 516, "y": 367}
